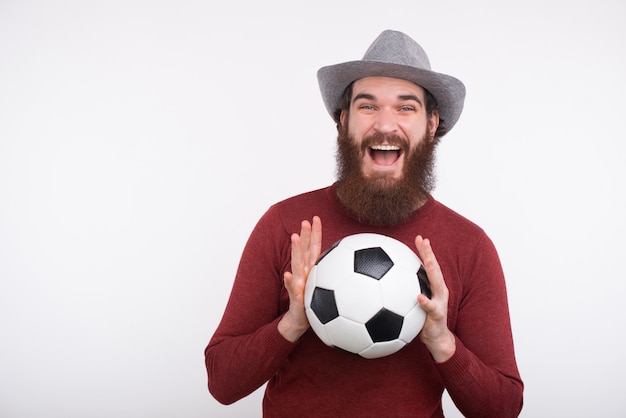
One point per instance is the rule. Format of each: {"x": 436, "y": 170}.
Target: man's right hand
{"x": 305, "y": 250}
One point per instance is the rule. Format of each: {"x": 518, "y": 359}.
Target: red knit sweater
{"x": 309, "y": 379}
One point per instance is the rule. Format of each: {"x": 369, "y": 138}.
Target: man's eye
{"x": 407, "y": 109}
{"x": 366, "y": 107}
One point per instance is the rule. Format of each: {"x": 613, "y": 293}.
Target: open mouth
{"x": 384, "y": 154}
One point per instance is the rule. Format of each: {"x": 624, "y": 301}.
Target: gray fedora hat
{"x": 394, "y": 54}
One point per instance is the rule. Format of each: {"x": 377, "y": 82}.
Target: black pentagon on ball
{"x": 424, "y": 283}
{"x": 324, "y": 305}
{"x": 373, "y": 262}
{"x": 384, "y": 326}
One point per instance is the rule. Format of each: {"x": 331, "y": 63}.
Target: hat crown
{"x": 397, "y": 48}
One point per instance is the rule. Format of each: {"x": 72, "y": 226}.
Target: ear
{"x": 342, "y": 118}
{"x": 433, "y": 122}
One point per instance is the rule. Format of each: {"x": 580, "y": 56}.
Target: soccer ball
{"x": 361, "y": 295}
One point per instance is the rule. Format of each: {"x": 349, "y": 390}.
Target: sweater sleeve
{"x": 246, "y": 349}
{"x": 482, "y": 377}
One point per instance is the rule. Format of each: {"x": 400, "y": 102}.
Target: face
{"x": 394, "y": 112}
{"x": 385, "y": 152}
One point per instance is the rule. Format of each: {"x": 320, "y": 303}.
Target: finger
{"x": 316, "y": 239}
{"x": 288, "y": 280}
{"x": 428, "y": 305}
{"x": 296, "y": 253}
{"x": 305, "y": 235}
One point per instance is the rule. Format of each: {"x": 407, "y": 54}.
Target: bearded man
{"x": 391, "y": 110}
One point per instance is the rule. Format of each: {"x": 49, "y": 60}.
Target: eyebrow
{"x": 365, "y": 96}
{"x": 403, "y": 97}
{"x": 410, "y": 97}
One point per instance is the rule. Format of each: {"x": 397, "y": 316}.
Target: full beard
{"x": 383, "y": 200}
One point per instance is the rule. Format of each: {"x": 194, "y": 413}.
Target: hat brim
{"x": 447, "y": 90}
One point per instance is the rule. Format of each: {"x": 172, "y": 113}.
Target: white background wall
{"x": 140, "y": 141}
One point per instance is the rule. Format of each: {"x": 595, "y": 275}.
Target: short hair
{"x": 431, "y": 107}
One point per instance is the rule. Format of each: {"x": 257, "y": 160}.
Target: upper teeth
{"x": 385, "y": 148}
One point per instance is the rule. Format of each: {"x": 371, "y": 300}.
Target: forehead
{"x": 379, "y": 86}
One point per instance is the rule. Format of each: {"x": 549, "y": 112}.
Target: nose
{"x": 386, "y": 122}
